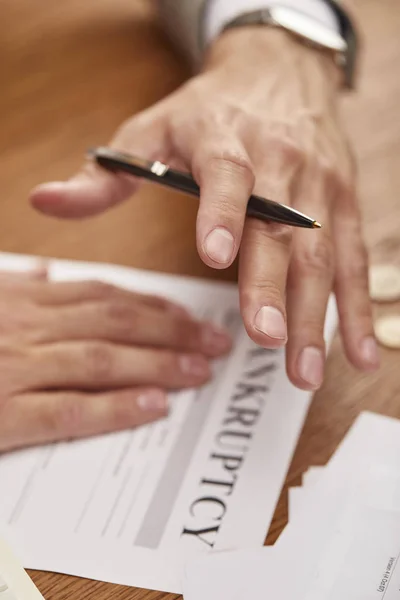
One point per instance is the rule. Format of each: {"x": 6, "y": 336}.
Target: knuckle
{"x": 14, "y": 366}
{"x": 265, "y": 289}
{"x": 287, "y": 148}
{"x": 339, "y": 186}
{"x": 327, "y": 169}
{"x": 331, "y": 179}
{"x": 348, "y": 204}
{"x": 122, "y": 315}
{"x": 317, "y": 258}
{"x": 356, "y": 309}
{"x": 232, "y": 162}
{"x": 225, "y": 116}
{"x": 356, "y": 269}
{"x": 364, "y": 311}
{"x": 277, "y": 232}
{"x": 65, "y": 416}
{"x": 313, "y": 324}
{"x": 166, "y": 367}
{"x": 121, "y": 410}
{"x": 22, "y": 320}
{"x": 233, "y": 114}
{"x": 223, "y": 204}
{"x": 186, "y": 333}
{"x": 98, "y": 361}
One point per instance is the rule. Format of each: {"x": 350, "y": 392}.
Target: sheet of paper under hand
{"x": 343, "y": 538}
{"x": 132, "y": 507}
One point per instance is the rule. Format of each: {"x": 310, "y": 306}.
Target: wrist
{"x": 245, "y": 52}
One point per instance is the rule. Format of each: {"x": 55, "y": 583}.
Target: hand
{"x": 261, "y": 116}
{"x": 78, "y": 359}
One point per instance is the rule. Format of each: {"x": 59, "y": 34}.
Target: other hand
{"x": 83, "y": 358}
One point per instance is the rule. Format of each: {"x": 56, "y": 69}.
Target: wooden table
{"x": 70, "y": 73}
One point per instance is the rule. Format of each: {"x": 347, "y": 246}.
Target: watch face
{"x": 306, "y": 27}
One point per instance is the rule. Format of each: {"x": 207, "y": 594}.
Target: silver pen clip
{"x": 156, "y": 167}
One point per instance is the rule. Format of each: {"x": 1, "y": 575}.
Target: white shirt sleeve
{"x": 220, "y": 12}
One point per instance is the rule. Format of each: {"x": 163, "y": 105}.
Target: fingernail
{"x": 195, "y": 366}
{"x": 270, "y": 320}
{"x": 311, "y": 366}
{"x": 153, "y": 401}
{"x": 219, "y": 245}
{"x": 215, "y": 339}
{"x": 369, "y": 352}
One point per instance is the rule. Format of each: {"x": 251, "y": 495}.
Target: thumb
{"x": 93, "y": 190}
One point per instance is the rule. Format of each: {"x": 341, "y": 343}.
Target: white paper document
{"x": 133, "y": 507}
{"x": 361, "y": 560}
{"x": 343, "y": 537}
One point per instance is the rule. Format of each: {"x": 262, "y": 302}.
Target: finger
{"x": 351, "y": 284}
{"x": 224, "y": 173}
{"x": 46, "y": 417}
{"x": 94, "y": 190}
{"x": 76, "y": 292}
{"x": 132, "y": 323}
{"x": 263, "y": 267}
{"x": 266, "y": 249}
{"x": 101, "y": 366}
{"x": 164, "y": 305}
{"x": 310, "y": 282}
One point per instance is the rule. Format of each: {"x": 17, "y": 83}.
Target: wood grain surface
{"x": 70, "y": 73}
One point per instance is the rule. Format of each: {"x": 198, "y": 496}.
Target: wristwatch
{"x": 343, "y": 45}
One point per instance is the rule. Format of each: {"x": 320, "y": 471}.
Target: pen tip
{"x": 317, "y": 225}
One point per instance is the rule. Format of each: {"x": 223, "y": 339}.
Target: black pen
{"x": 257, "y": 207}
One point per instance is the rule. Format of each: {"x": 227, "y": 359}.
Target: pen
{"x": 156, "y": 171}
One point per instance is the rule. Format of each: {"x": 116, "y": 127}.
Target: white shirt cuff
{"x": 220, "y": 12}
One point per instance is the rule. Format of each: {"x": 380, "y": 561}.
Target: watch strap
{"x": 350, "y": 35}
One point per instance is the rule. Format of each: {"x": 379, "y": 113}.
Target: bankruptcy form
{"x": 132, "y": 507}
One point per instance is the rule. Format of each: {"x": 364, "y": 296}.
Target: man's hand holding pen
{"x": 277, "y": 135}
